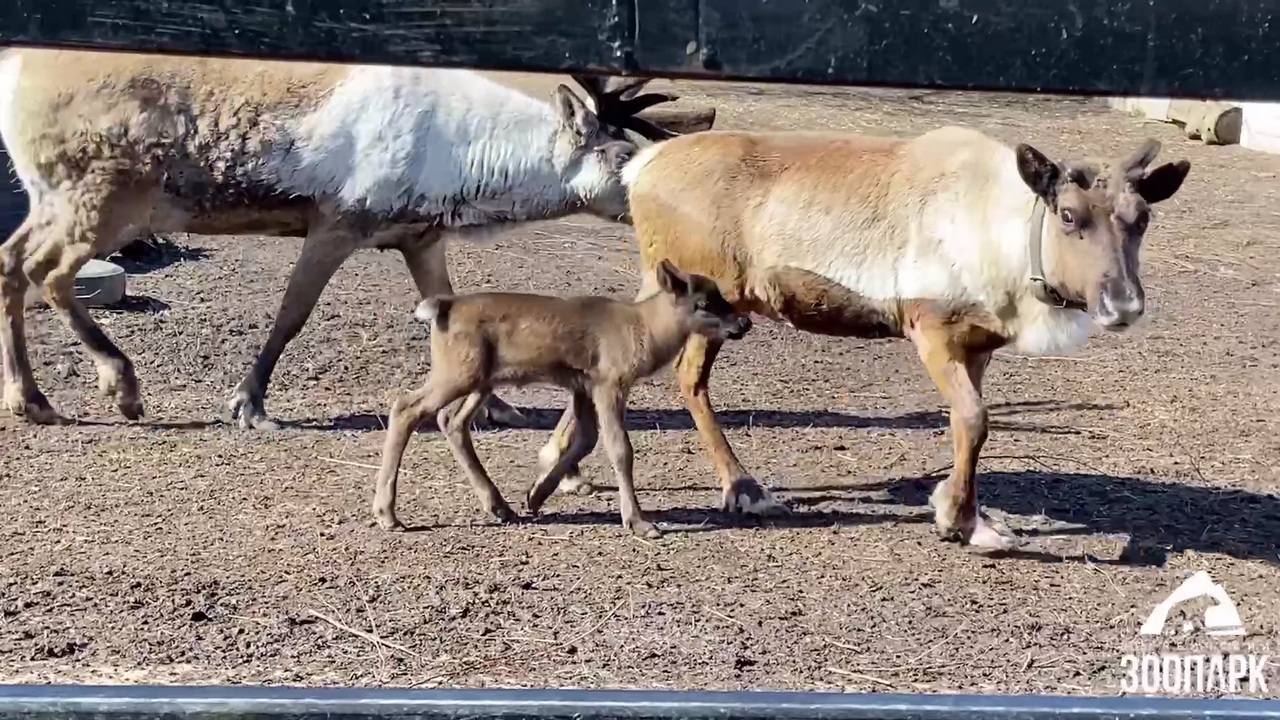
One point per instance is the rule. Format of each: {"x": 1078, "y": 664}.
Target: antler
{"x": 618, "y": 102}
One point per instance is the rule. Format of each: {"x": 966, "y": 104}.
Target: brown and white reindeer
{"x": 950, "y": 239}
{"x": 110, "y": 146}
{"x": 594, "y": 347}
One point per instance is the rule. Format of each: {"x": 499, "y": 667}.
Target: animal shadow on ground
{"x": 678, "y": 521}
{"x": 545, "y": 419}
{"x": 141, "y": 304}
{"x": 1157, "y": 517}
{"x": 144, "y": 304}
{"x": 146, "y": 255}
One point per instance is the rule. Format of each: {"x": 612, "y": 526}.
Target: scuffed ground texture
{"x": 185, "y": 550}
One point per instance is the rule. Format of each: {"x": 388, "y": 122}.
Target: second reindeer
{"x": 595, "y": 347}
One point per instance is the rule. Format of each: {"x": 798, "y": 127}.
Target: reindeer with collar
{"x": 950, "y": 239}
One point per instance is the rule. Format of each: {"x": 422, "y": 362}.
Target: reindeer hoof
{"x": 389, "y": 522}
{"x": 644, "y": 529}
{"x": 502, "y": 512}
{"x": 131, "y": 408}
{"x": 248, "y": 412}
{"x": 985, "y": 537}
{"x": 747, "y": 497}
{"x": 979, "y": 532}
{"x": 32, "y": 406}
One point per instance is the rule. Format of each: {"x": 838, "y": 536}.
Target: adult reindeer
{"x": 950, "y": 239}
{"x": 111, "y": 145}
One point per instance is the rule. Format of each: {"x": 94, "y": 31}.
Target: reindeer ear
{"x": 670, "y": 279}
{"x": 1039, "y": 172}
{"x": 1162, "y": 182}
{"x": 574, "y": 114}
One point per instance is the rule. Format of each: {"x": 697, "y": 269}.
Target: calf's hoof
{"x": 131, "y": 408}
{"x": 745, "y": 496}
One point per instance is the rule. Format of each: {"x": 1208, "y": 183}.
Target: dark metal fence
{"x": 19, "y": 702}
{"x": 1205, "y": 48}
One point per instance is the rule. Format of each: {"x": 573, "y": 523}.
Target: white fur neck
{"x": 448, "y": 145}
{"x": 1037, "y": 328}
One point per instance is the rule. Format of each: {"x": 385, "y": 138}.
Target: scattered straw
{"x": 364, "y": 635}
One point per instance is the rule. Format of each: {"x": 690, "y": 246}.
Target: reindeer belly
{"x": 812, "y": 303}
{"x": 232, "y": 205}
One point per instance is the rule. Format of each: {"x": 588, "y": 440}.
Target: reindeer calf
{"x": 597, "y": 348}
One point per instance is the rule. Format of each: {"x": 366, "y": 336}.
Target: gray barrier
{"x": 73, "y": 702}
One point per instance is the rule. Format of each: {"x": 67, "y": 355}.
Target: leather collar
{"x": 1044, "y": 291}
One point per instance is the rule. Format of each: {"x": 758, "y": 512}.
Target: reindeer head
{"x": 1093, "y": 230}
{"x": 588, "y": 158}
{"x": 593, "y": 145}
{"x": 699, "y": 301}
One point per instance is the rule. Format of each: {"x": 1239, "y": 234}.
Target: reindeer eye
{"x": 1068, "y": 217}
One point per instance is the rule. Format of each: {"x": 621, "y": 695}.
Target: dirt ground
{"x": 186, "y": 550}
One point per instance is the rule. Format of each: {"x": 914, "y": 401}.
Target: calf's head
{"x": 1095, "y": 221}
{"x": 699, "y": 303}
{"x": 588, "y": 159}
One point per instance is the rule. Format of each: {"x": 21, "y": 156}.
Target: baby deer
{"x": 595, "y": 347}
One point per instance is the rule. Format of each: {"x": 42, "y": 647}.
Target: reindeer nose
{"x": 1121, "y": 307}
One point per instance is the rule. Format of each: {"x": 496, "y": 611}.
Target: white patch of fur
{"x": 446, "y": 143}
{"x": 548, "y": 456}
{"x": 426, "y": 310}
{"x": 638, "y": 161}
{"x": 10, "y": 73}
{"x": 970, "y": 245}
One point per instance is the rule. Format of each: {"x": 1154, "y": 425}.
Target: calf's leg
{"x": 578, "y": 428}
{"x": 455, "y": 422}
{"x": 958, "y": 374}
{"x": 407, "y": 413}
{"x": 429, "y": 267}
{"x": 610, "y": 406}
{"x": 323, "y": 252}
{"x": 557, "y": 447}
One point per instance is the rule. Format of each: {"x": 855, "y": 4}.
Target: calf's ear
{"x": 670, "y": 279}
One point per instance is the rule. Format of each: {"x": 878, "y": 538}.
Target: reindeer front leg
{"x": 429, "y": 267}
{"x": 740, "y": 492}
{"x": 958, "y": 375}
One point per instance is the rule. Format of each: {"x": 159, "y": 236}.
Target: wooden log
{"x": 1216, "y": 123}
